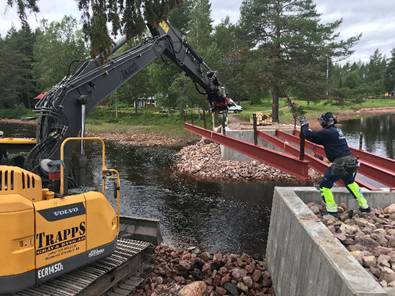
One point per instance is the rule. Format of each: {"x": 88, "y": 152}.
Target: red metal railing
{"x": 276, "y": 159}
{"x": 371, "y": 170}
{"x": 317, "y": 164}
{"x": 379, "y": 161}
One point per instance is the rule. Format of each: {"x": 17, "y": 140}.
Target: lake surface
{"x": 378, "y": 133}
{"x": 212, "y": 215}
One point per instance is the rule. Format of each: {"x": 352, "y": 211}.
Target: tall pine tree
{"x": 295, "y": 43}
{"x": 390, "y": 75}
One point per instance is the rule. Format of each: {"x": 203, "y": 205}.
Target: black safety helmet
{"x": 328, "y": 119}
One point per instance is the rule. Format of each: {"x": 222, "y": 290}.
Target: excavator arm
{"x": 62, "y": 110}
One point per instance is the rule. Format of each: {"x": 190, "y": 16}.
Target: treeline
{"x": 278, "y": 48}
{"x": 33, "y": 61}
{"x": 357, "y": 81}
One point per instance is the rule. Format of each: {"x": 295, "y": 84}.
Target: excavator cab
{"x": 44, "y": 233}
{"x": 13, "y": 150}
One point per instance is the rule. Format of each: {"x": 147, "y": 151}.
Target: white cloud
{"x": 374, "y": 19}
{"x": 50, "y": 10}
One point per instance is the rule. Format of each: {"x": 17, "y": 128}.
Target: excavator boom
{"x": 60, "y": 114}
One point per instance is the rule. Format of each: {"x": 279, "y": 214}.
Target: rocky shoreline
{"x": 370, "y": 238}
{"x": 141, "y": 139}
{"x": 203, "y": 161}
{"x": 192, "y": 272}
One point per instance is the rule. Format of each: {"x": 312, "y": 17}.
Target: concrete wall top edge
{"x": 376, "y": 199}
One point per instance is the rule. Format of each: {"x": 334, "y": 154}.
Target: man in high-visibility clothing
{"x": 344, "y": 165}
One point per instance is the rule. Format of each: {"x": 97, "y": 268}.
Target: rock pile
{"x": 192, "y": 272}
{"x": 370, "y": 238}
{"x": 203, "y": 160}
{"x": 142, "y": 139}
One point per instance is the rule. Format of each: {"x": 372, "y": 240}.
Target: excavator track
{"x": 118, "y": 274}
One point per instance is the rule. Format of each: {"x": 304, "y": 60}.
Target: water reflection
{"x": 378, "y": 133}
{"x": 215, "y": 216}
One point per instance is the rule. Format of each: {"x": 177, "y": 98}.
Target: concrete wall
{"x": 244, "y": 135}
{"x": 303, "y": 256}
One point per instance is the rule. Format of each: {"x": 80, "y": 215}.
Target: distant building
{"x": 149, "y": 102}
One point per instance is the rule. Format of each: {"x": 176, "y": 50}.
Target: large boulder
{"x": 193, "y": 289}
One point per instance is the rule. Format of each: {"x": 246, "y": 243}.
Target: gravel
{"x": 203, "y": 161}
{"x": 192, "y": 272}
{"x": 370, "y": 238}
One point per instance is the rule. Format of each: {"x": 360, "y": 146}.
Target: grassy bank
{"x": 104, "y": 120}
{"x": 17, "y": 112}
{"x": 314, "y": 109}
{"x": 151, "y": 122}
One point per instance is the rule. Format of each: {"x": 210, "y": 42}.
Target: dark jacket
{"x": 331, "y": 138}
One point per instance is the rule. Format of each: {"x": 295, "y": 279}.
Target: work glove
{"x": 303, "y": 121}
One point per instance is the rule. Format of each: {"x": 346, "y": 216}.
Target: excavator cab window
{"x": 77, "y": 169}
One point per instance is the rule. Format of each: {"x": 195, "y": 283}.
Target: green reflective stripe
{"x": 356, "y": 191}
{"x": 330, "y": 203}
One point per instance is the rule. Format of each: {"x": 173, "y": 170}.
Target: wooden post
{"x": 116, "y": 108}
{"x": 204, "y": 119}
{"x": 223, "y": 123}
{"x": 301, "y": 148}
{"x": 255, "y": 128}
{"x": 360, "y": 140}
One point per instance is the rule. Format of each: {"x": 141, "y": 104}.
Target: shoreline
{"x": 137, "y": 138}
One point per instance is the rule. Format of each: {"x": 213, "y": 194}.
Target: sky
{"x": 373, "y": 18}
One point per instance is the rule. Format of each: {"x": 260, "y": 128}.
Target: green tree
{"x": 23, "y": 6}
{"x": 390, "y": 74}
{"x": 376, "y": 73}
{"x": 237, "y": 69}
{"x": 200, "y": 38}
{"x": 59, "y": 45}
{"x": 125, "y": 16}
{"x": 9, "y": 75}
{"x": 295, "y": 42}
{"x": 173, "y": 87}
{"x": 163, "y": 72}
{"x": 16, "y": 51}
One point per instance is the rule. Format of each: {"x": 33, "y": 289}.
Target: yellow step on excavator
{"x": 55, "y": 228}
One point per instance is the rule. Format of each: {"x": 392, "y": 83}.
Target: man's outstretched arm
{"x": 315, "y": 137}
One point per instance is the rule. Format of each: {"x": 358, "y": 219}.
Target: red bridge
{"x": 375, "y": 172}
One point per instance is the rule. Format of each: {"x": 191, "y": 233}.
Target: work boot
{"x": 334, "y": 214}
{"x": 330, "y": 204}
{"x": 367, "y": 210}
{"x": 356, "y": 192}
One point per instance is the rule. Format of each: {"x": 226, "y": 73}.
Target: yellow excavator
{"x": 52, "y": 223}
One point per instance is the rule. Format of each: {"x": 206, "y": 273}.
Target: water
{"x": 378, "y": 133}
{"x": 211, "y": 215}
{"x": 17, "y": 130}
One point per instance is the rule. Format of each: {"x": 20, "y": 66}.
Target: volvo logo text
{"x": 66, "y": 211}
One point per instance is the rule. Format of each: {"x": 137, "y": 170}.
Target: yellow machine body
{"x": 18, "y": 141}
{"x": 42, "y": 237}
